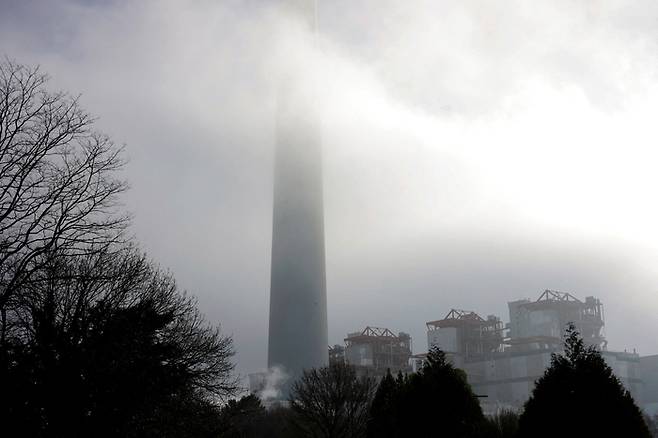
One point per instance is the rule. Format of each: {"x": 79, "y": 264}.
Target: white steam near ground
{"x": 475, "y": 152}
{"x": 273, "y": 379}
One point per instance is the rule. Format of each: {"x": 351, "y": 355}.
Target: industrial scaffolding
{"x": 375, "y": 350}
{"x": 541, "y": 323}
{"x": 336, "y": 354}
{"x": 468, "y": 333}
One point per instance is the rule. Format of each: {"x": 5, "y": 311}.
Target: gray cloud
{"x": 415, "y": 98}
{"x": 468, "y": 57}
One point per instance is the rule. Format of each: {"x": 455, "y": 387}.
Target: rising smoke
{"x": 272, "y": 388}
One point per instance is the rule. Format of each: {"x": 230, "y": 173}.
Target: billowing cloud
{"x": 475, "y": 152}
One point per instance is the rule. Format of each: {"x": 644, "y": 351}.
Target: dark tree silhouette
{"x": 578, "y": 396}
{"x": 382, "y": 422}
{"x": 332, "y": 402}
{"x": 279, "y": 421}
{"x": 95, "y": 340}
{"x": 504, "y": 424}
{"x": 242, "y": 418}
{"x": 248, "y": 418}
{"x": 437, "y": 401}
{"x": 58, "y": 181}
{"x": 105, "y": 345}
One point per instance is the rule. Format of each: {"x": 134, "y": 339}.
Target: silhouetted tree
{"x": 332, "y": 402}
{"x": 106, "y": 345}
{"x": 94, "y": 339}
{"x": 58, "y": 181}
{"x": 437, "y": 401}
{"x": 279, "y": 421}
{"x": 183, "y": 414}
{"x": 248, "y": 418}
{"x": 383, "y": 419}
{"x": 242, "y": 418}
{"x": 578, "y": 396}
{"x": 504, "y": 424}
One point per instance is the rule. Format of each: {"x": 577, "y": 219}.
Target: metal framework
{"x": 476, "y": 336}
{"x": 457, "y": 317}
{"x": 377, "y": 349}
{"x": 554, "y": 295}
{"x": 336, "y": 354}
{"x": 565, "y": 308}
{"x": 373, "y": 332}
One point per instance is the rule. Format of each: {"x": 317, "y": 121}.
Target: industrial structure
{"x": 298, "y": 301}
{"x": 649, "y": 374}
{"x": 540, "y": 323}
{"x": 336, "y": 354}
{"x": 467, "y": 333}
{"x": 502, "y": 362}
{"x": 503, "y": 367}
{"x": 374, "y": 350}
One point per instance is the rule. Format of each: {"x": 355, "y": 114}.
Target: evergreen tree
{"x": 247, "y": 418}
{"x": 242, "y": 418}
{"x": 436, "y": 401}
{"x": 579, "y": 396}
{"x": 382, "y": 421}
{"x": 440, "y": 401}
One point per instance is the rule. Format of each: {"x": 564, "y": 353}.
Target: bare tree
{"x": 332, "y": 402}
{"x": 59, "y": 181}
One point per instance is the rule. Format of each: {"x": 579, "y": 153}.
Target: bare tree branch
{"x": 59, "y": 181}
{"x": 332, "y": 402}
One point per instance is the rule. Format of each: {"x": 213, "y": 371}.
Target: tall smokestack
{"x": 298, "y": 298}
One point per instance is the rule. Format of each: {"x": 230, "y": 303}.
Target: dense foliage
{"x": 578, "y": 396}
{"x": 436, "y": 401}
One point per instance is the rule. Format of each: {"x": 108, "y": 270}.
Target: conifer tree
{"x": 382, "y": 421}
{"x": 435, "y": 401}
{"x": 580, "y": 396}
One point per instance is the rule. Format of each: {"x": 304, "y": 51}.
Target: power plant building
{"x": 374, "y": 351}
{"x": 649, "y": 374}
{"x": 503, "y": 362}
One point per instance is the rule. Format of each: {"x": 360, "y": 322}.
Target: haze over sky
{"x": 476, "y": 152}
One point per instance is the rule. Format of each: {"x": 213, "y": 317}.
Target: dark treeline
{"x": 97, "y": 341}
{"x": 577, "y": 397}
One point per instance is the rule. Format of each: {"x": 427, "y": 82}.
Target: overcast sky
{"x": 476, "y": 152}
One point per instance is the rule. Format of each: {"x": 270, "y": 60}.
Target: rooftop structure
{"x": 336, "y": 354}
{"x": 540, "y": 323}
{"x": 504, "y": 368}
{"x": 375, "y": 350}
{"x": 466, "y": 333}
